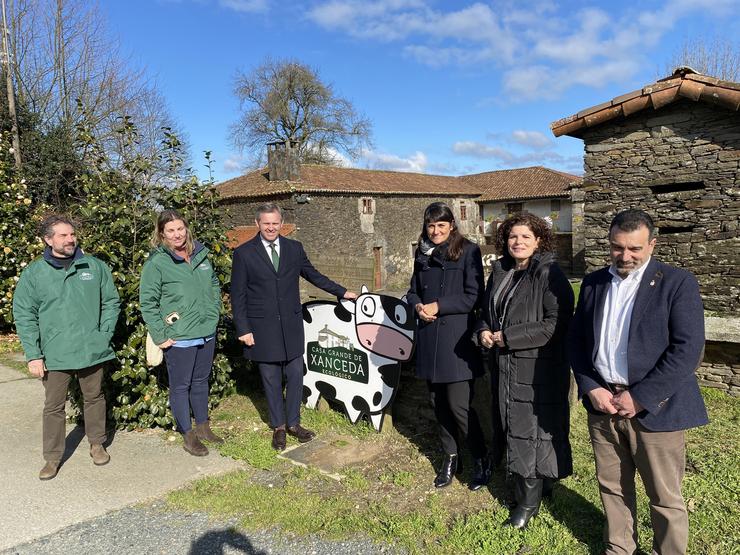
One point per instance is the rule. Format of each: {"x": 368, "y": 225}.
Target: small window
{"x": 463, "y": 212}
{"x": 555, "y": 205}
{"x": 368, "y": 206}
{"x": 514, "y": 207}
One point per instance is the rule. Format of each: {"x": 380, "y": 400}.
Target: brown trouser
{"x": 56, "y": 383}
{"x": 621, "y": 446}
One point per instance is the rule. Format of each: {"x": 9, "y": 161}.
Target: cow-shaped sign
{"x": 353, "y": 351}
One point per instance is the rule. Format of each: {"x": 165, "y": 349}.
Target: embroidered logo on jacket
{"x": 86, "y": 276}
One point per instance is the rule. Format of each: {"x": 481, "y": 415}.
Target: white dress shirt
{"x": 269, "y": 249}
{"x": 611, "y": 350}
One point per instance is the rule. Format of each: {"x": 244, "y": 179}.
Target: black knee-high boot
{"x": 528, "y": 495}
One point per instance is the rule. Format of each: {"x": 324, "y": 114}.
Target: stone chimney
{"x": 282, "y": 161}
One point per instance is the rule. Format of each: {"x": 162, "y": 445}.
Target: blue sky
{"x": 451, "y": 87}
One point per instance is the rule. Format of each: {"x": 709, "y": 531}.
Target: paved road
{"x": 142, "y": 467}
{"x": 152, "y": 530}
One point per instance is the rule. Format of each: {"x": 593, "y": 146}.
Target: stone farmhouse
{"x": 540, "y": 191}
{"x": 361, "y": 226}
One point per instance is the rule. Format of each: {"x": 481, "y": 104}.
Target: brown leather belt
{"x": 618, "y": 387}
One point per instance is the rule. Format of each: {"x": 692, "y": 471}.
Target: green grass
{"x": 390, "y": 498}
{"x": 9, "y": 344}
{"x": 10, "y": 347}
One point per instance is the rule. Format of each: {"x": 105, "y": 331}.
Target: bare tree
{"x": 70, "y": 73}
{"x": 715, "y": 57}
{"x": 286, "y": 100}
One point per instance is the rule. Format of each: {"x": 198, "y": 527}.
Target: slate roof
{"x": 319, "y": 179}
{"x": 684, "y": 83}
{"x": 522, "y": 183}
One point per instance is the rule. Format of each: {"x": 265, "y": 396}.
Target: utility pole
{"x": 11, "y": 94}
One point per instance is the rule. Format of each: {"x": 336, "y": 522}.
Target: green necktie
{"x": 275, "y": 257}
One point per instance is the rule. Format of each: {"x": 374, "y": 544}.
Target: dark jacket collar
{"x": 538, "y": 261}
{"x": 54, "y": 262}
{"x": 197, "y": 247}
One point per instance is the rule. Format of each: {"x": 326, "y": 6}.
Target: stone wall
{"x": 721, "y": 367}
{"x": 682, "y": 165}
{"x": 334, "y": 226}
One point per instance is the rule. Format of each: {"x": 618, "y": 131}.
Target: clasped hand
{"x": 622, "y": 403}
{"x": 490, "y": 338}
{"x": 427, "y": 312}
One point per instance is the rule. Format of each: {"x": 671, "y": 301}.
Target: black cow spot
{"x": 306, "y": 315}
{"x": 342, "y": 313}
{"x": 305, "y": 369}
{"x": 359, "y": 403}
{"x": 390, "y": 374}
{"x": 389, "y": 305}
{"x": 377, "y": 398}
{"x": 306, "y": 393}
{"x": 327, "y": 390}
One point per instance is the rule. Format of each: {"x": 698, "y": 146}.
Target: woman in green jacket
{"x": 180, "y": 301}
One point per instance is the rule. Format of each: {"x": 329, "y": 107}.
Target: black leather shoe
{"x": 447, "y": 471}
{"x": 278, "y": 439}
{"x": 481, "y": 473}
{"x": 520, "y": 516}
{"x": 301, "y": 434}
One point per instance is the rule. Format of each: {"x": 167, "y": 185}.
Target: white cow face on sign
{"x": 384, "y": 324}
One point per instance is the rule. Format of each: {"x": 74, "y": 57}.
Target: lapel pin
{"x": 652, "y": 283}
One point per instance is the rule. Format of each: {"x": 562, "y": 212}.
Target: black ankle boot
{"x": 528, "y": 494}
{"x": 447, "y": 471}
{"x": 547, "y": 485}
{"x": 481, "y": 473}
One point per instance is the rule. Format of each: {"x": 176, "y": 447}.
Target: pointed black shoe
{"x": 449, "y": 468}
{"x": 481, "y": 473}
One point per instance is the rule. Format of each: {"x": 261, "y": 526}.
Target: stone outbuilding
{"x": 671, "y": 148}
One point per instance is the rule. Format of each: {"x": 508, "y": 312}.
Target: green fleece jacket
{"x": 66, "y": 317}
{"x": 179, "y": 300}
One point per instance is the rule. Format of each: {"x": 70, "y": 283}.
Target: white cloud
{"x": 416, "y": 163}
{"x": 233, "y": 164}
{"x": 479, "y": 150}
{"x": 541, "y": 49}
{"x": 508, "y": 158}
{"x": 245, "y": 6}
{"x": 532, "y": 139}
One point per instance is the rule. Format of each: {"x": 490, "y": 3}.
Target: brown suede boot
{"x": 204, "y": 433}
{"x": 99, "y": 455}
{"x": 193, "y": 445}
{"x": 49, "y": 471}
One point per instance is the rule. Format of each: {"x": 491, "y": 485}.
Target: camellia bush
{"x": 18, "y": 223}
{"x": 116, "y": 216}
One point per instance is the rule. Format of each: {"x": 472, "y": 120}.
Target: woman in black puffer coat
{"x": 445, "y": 291}
{"x": 526, "y": 309}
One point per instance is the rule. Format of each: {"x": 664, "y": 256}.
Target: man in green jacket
{"x": 65, "y": 308}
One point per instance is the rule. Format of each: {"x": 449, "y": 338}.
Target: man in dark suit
{"x": 634, "y": 344}
{"x": 266, "y": 305}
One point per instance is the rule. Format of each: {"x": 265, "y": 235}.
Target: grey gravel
{"x": 154, "y": 530}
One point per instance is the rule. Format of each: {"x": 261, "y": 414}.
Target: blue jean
{"x": 189, "y": 369}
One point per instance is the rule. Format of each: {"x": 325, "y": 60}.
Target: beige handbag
{"x": 154, "y": 355}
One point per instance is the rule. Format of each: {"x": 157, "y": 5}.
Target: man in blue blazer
{"x": 266, "y": 306}
{"x": 634, "y": 345}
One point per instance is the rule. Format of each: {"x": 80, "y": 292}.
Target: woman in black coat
{"x": 445, "y": 290}
{"x": 526, "y": 309}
